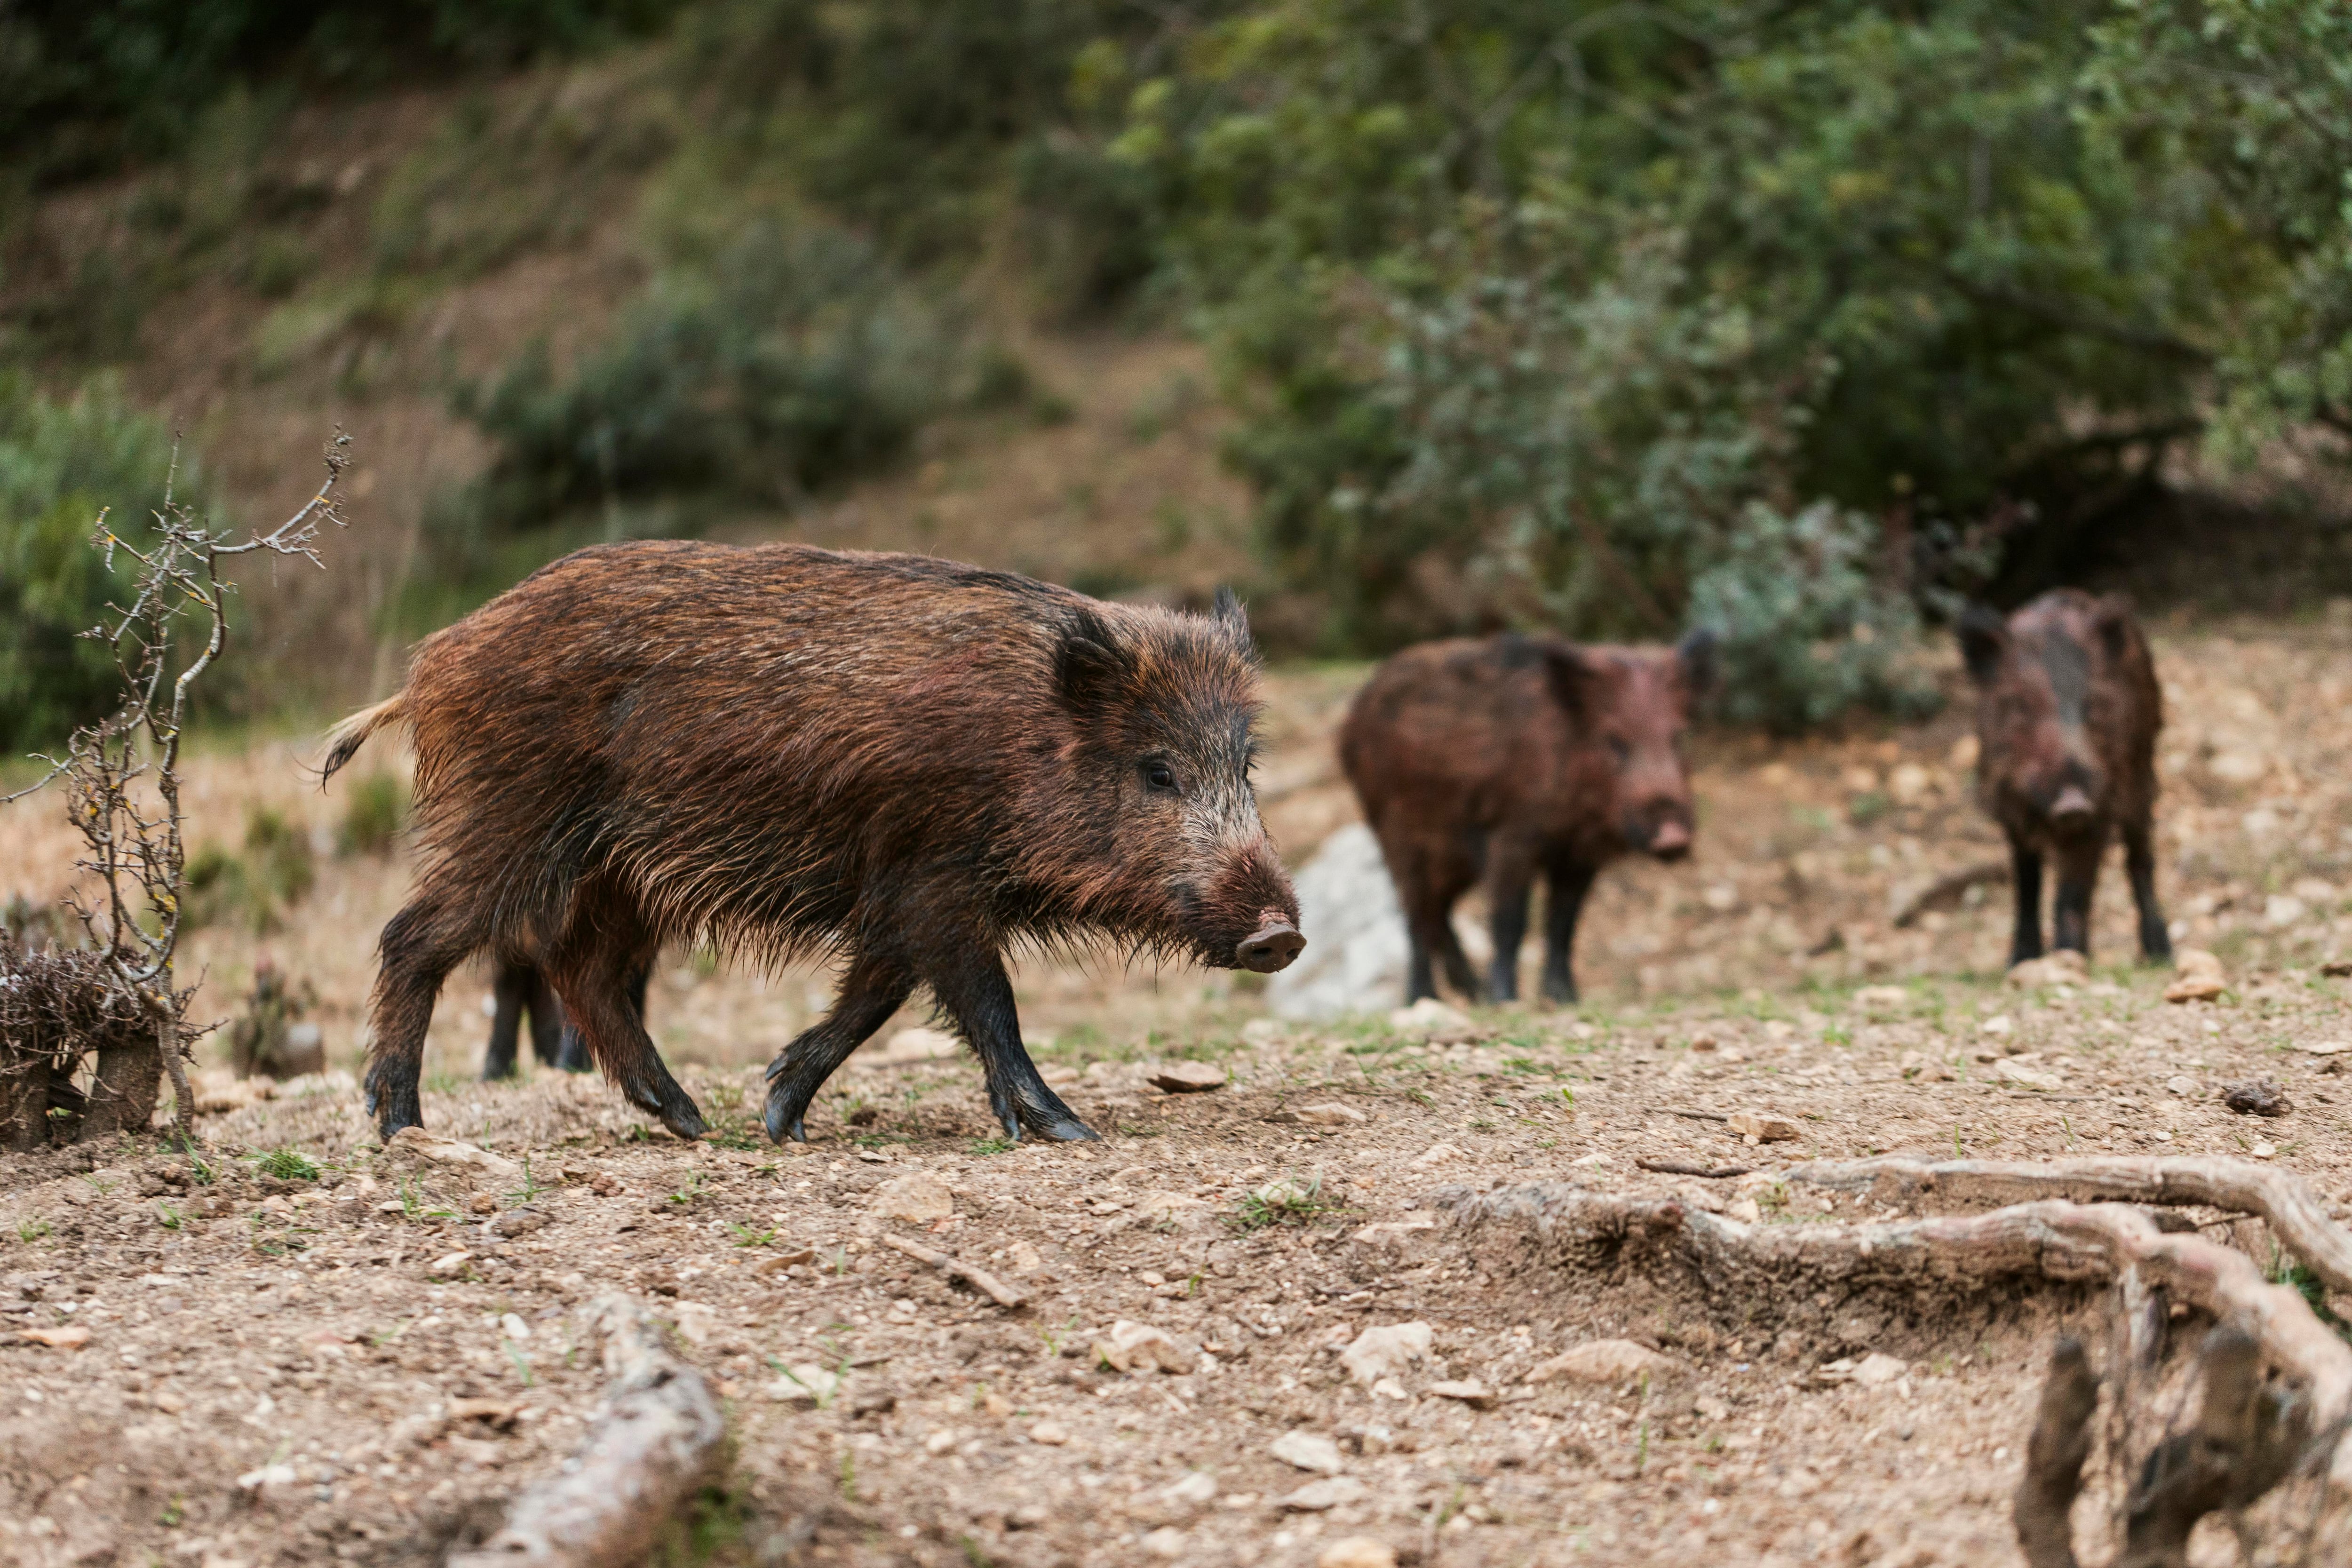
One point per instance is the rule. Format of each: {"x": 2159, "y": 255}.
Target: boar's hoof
{"x": 1058, "y": 1130}
{"x": 1270, "y": 948}
{"x": 394, "y": 1105}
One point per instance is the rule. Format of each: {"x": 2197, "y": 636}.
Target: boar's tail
{"x": 345, "y": 739}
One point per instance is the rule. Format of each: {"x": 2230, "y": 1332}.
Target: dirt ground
{"x": 362, "y": 1365}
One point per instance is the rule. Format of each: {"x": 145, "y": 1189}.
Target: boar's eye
{"x": 1160, "y": 778}
{"x": 1619, "y": 751}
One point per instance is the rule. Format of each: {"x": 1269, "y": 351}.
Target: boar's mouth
{"x": 1273, "y": 946}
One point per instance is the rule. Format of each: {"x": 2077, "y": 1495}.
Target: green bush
{"x": 257, "y": 887}
{"x": 63, "y": 461}
{"x": 789, "y": 362}
{"x": 372, "y": 815}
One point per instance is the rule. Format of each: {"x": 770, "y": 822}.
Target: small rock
{"x": 449, "y": 1263}
{"x": 1051, "y": 1433}
{"x": 1141, "y": 1347}
{"x": 918, "y": 1197}
{"x": 1881, "y": 999}
{"x": 1469, "y": 1391}
{"x": 1746, "y": 1210}
{"x": 2180, "y": 1083}
{"x": 2010, "y": 1070}
{"x": 1389, "y": 1388}
{"x": 1330, "y": 1113}
{"x": 1609, "y": 1361}
{"x": 1907, "y": 783}
{"x": 1755, "y": 1127}
{"x": 2199, "y": 976}
{"x": 69, "y": 1337}
{"x": 1432, "y": 1020}
{"x": 451, "y": 1155}
{"x": 1172, "y": 1209}
{"x": 1394, "y": 1233}
{"x": 2063, "y": 967}
{"x": 2000, "y": 1024}
{"x": 805, "y": 1383}
{"x": 1709, "y": 1406}
{"x": 2324, "y": 1047}
{"x": 1188, "y": 1077}
{"x": 511, "y": 1325}
{"x": 1314, "y": 1497}
{"x": 1435, "y": 1154}
{"x": 1308, "y": 1451}
{"x": 1357, "y": 1552}
{"x": 2264, "y": 1151}
{"x": 1165, "y": 1542}
{"x": 2283, "y": 909}
{"x": 1878, "y": 1369}
{"x": 1196, "y": 1489}
{"x": 2258, "y": 1096}
{"x": 939, "y": 1442}
{"x": 1386, "y": 1352}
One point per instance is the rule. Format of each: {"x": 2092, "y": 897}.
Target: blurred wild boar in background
{"x": 2067, "y": 714}
{"x": 1501, "y": 759}
{"x": 784, "y": 750}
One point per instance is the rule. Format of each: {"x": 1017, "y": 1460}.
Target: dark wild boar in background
{"x": 2067, "y": 712}
{"x": 1494, "y": 761}
{"x": 780, "y": 751}
{"x": 517, "y": 987}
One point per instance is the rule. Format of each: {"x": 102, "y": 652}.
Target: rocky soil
{"x": 228, "y": 1359}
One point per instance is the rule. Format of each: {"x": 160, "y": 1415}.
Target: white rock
{"x": 1357, "y": 1552}
{"x": 1314, "y": 1497}
{"x": 1610, "y": 1361}
{"x": 939, "y": 1442}
{"x": 2009, "y": 1070}
{"x": 1187, "y": 1077}
{"x": 1165, "y": 1542}
{"x": 1997, "y": 1025}
{"x": 1908, "y": 782}
{"x": 1432, "y": 1020}
{"x": 511, "y": 1325}
{"x": 1881, "y": 999}
{"x": 451, "y": 1155}
{"x": 1141, "y": 1347}
{"x": 1389, "y": 1388}
{"x": 1173, "y": 1209}
{"x": 2180, "y": 1083}
{"x": 1308, "y": 1451}
{"x": 697, "y": 1321}
{"x": 1386, "y": 1352}
{"x": 1435, "y": 1154}
{"x": 1330, "y": 1113}
{"x": 2283, "y": 909}
{"x": 449, "y": 1263}
{"x": 2063, "y": 967}
{"x": 1878, "y": 1369}
{"x": 918, "y": 1197}
{"x": 1195, "y": 1489}
{"x": 2324, "y": 1047}
{"x": 1395, "y": 1232}
{"x": 805, "y": 1383}
{"x": 1051, "y": 1434}
{"x": 1355, "y": 957}
{"x": 1469, "y": 1391}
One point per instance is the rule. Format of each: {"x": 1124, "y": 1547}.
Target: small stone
{"x": 1610, "y": 1361}
{"x": 1050, "y": 1434}
{"x": 2258, "y": 1096}
{"x": 449, "y": 1263}
{"x": 511, "y": 1325}
{"x": 450, "y": 1154}
{"x": 1435, "y": 1154}
{"x": 69, "y": 1337}
{"x": 2063, "y": 967}
{"x": 1187, "y": 1077}
{"x": 1394, "y": 1233}
{"x": 918, "y": 1197}
{"x": 1469, "y": 1391}
{"x": 1314, "y": 1497}
{"x": 2324, "y": 1047}
{"x": 2180, "y": 1083}
{"x": 1330, "y": 1113}
{"x": 1713, "y": 1409}
{"x": 939, "y": 1442}
{"x": 1139, "y": 1347}
{"x": 2011, "y": 1070}
{"x": 2283, "y": 909}
{"x": 2264, "y": 1151}
{"x": 1357, "y": 1552}
{"x": 805, "y": 1383}
{"x": 1878, "y": 1369}
{"x": 1386, "y": 1352}
{"x": 2199, "y": 976}
{"x": 1747, "y": 1211}
{"x": 1881, "y": 999}
{"x": 1389, "y": 1388}
{"x": 2000, "y": 1024}
{"x": 1172, "y": 1210}
{"x": 1756, "y": 1127}
{"x": 1196, "y": 1489}
{"x": 1432, "y": 1020}
{"x": 1165, "y": 1542}
{"x": 1308, "y": 1451}
{"x": 1907, "y": 783}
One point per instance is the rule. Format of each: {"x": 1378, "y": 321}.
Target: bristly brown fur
{"x": 2068, "y": 700}
{"x": 1512, "y": 756}
{"x": 781, "y": 752}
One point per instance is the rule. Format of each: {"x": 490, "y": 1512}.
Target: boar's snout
{"x": 1670, "y": 840}
{"x": 2071, "y": 808}
{"x": 1272, "y": 946}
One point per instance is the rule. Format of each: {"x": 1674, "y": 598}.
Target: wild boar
{"x": 517, "y": 987}
{"x": 1496, "y": 760}
{"x": 2067, "y": 714}
{"x": 781, "y": 752}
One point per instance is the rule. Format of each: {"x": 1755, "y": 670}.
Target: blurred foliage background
{"x": 1805, "y": 322}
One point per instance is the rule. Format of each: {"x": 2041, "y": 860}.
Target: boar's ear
{"x": 1696, "y": 654}
{"x": 1228, "y": 612}
{"x": 1089, "y": 663}
{"x": 1571, "y": 675}
{"x": 1984, "y": 638}
{"x": 2112, "y": 620}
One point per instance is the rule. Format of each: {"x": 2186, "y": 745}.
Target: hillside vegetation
{"x": 1429, "y": 317}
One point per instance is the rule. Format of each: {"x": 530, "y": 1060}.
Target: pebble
{"x": 1308, "y": 1451}
{"x": 1435, "y": 1154}
{"x": 513, "y": 1327}
{"x": 1602, "y": 1360}
{"x": 2064, "y": 967}
{"x": 1881, "y": 999}
{"x": 1051, "y": 1434}
{"x": 1330, "y": 1113}
{"x": 1165, "y": 1542}
{"x": 2013, "y": 1070}
{"x": 1198, "y": 1489}
{"x": 918, "y": 1197}
{"x": 1386, "y": 1352}
{"x": 2180, "y": 1083}
{"x": 1187, "y": 1077}
{"x": 1997, "y": 1025}
{"x": 1141, "y": 1347}
{"x": 807, "y": 1384}
{"x": 1317, "y": 1496}
{"x": 2257, "y": 1096}
{"x": 71, "y": 1337}
{"x": 1357, "y": 1552}
{"x": 2199, "y": 976}
{"x": 1878, "y": 1369}
{"x": 1469, "y": 1391}
{"x": 1432, "y": 1020}
{"x": 449, "y": 1263}
{"x": 1756, "y": 1127}
{"x": 940, "y": 1441}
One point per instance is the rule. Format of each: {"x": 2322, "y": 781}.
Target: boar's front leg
{"x": 590, "y": 974}
{"x": 420, "y": 945}
{"x": 1508, "y": 881}
{"x": 974, "y": 989}
{"x": 2025, "y": 864}
{"x": 875, "y": 986}
{"x": 1570, "y": 881}
{"x": 2139, "y": 860}
{"x": 2078, "y": 877}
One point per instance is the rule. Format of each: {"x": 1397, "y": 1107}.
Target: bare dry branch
{"x": 980, "y": 1279}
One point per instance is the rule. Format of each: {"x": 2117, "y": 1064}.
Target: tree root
{"x": 2055, "y": 1457}
{"x": 655, "y": 1443}
{"x": 2291, "y": 1209}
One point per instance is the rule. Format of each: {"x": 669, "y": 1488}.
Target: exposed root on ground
{"x": 655, "y": 1443}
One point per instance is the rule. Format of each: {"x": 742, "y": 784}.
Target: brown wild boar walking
{"x": 1501, "y": 759}
{"x": 779, "y": 752}
{"x": 2067, "y": 714}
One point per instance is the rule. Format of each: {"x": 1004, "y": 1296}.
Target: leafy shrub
{"x": 790, "y": 362}
{"x": 61, "y": 463}
{"x": 372, "y": 815}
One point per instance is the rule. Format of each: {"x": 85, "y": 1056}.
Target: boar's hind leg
{"x": 558, "y": 1042}
{"x": 2027, "y": 868}
{"x": 420, "y": 946}
{"x": 592, "y": 981}
{"x": 974, "y": 990}
{"x": 873, "y": 988}
{"x": 1564, "y": 901}
{"x": 2139, "y": 860}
